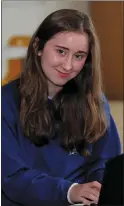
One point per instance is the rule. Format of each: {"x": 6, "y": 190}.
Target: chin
{"x": 60, "y": 83}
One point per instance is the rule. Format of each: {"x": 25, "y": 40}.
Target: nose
{"x": 67, "y": 65}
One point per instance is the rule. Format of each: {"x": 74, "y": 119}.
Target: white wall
{"x": 22, "y": 17}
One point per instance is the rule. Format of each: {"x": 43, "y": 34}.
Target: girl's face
{"x": 63, "y": 57}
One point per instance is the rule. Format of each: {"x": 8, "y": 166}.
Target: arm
{"x": 20, "y": 183}
{"x": 105, "y": 148}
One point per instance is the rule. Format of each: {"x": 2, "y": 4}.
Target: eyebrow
{"x": 62, "y": 47}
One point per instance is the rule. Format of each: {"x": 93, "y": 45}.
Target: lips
{"x": 61, "y": 74}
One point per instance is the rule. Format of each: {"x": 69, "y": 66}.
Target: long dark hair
{"x": 77, "y": 112}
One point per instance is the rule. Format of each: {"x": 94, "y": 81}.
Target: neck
{"x": 53, "y": 89}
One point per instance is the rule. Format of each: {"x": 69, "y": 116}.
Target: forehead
{"x": 72, "y": 40}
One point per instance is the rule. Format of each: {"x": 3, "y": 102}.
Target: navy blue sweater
{"x": 33, "y": 176}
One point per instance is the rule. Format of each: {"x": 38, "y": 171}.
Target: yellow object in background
{"x": 16, "y": 41}
{"x": 14, "y": 65}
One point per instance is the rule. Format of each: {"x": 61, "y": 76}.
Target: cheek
{"x": 79, "y": 66}
{"x": 51, "y": 59}
{"x": 55, "y": 60}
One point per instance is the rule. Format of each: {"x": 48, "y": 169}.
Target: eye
{"x": 79, "y": 56}
{"x": 61, "y": 51}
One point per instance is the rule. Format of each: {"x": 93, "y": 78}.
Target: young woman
{"x": 57, "y": 130}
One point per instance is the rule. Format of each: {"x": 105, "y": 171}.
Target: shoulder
{"x": 105, "y": 102}
{"x": 10, "y": 98}
{"x": 109, "y": 144}
{"x": 10, "y": 91}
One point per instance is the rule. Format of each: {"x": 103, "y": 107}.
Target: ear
{"x": 39, "y": 53}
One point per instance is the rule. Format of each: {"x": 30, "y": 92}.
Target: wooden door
{"x": 108, "y": 18}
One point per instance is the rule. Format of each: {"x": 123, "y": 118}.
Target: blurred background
{"x": 21, "y": 18}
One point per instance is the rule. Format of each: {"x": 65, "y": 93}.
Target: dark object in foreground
{"x": 113, "y": 183}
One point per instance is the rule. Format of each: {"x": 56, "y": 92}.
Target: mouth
{"x": 63, "y": 75}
